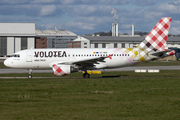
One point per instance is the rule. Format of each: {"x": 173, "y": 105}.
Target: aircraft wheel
{"x": 30, "y": 73}
{"x": 29, "y": 76}
{"x": 86, "y": 75}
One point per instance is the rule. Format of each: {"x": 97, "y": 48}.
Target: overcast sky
{"x": 89, "y": 16}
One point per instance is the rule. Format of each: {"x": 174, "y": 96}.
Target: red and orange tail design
{"x": 156, "y": 39}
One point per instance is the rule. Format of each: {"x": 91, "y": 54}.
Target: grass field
{"x": 131, "y": 96}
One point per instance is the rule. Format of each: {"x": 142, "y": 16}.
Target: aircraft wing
{"x": 89, "y": 62}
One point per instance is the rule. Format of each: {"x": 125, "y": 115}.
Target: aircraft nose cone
{"x": 6, "y": 63}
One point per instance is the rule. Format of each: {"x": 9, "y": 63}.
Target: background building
{"x": 54, "y": 38}
{"x": 40, "y": 42}
{"x": 116, "y": 42}
{"x": 15, "y": 37}
{"x": 19, "y": 36}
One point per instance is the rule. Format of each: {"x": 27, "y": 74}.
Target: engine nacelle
{"x": 62, "y": 70}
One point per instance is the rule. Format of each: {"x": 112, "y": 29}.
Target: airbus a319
{"x": 66, "y": 61}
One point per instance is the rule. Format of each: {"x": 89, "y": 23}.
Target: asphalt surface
{"x": 4, "y": 71}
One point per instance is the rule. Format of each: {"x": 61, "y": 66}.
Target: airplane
{"x": 66, "y": 61}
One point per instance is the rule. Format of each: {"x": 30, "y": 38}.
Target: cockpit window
{"x": 15, "y": 55}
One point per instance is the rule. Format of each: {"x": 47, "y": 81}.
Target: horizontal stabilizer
{"x": 162, "y": 54}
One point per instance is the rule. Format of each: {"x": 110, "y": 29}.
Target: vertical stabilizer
{"x": 156, "y": 39}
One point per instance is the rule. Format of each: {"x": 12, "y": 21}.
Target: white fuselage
{"x": 45, "y": 58}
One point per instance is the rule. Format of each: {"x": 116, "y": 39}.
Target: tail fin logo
{"x": 156, "y": 39}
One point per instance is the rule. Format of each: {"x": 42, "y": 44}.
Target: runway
{"x": 8, "y": 71}
{"x": 124, "y": 77}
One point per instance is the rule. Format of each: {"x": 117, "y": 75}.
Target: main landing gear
{"x": 30, "y": 73}
{"x": 86, "y": 75}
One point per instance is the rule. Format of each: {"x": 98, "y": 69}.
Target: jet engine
{"x": 62, "y": 70}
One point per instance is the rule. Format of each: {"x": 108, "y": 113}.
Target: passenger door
{"x": 29, "y": 56}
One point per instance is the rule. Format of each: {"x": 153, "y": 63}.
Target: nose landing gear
{"x": 30, "y": 73}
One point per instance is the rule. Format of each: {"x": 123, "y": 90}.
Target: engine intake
{"x": 62, "y": 70}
